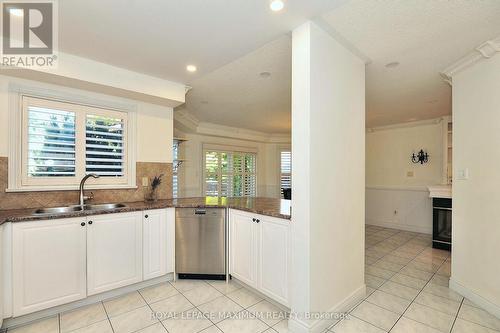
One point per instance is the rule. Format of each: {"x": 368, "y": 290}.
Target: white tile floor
{"x": 407, "y": 285}
{"x": 408, "y": 292}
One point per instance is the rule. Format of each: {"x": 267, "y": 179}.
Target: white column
{"x": 475, "y": 270}
{"x": 328, "y": 151}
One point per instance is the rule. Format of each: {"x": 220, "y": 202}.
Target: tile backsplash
{"x": 20, "y": 200}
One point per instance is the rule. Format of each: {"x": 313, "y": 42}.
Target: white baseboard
{"x": 405, "y": 227}
{"x": 297, "y": 325}
{"x": 479, "y": 300}
{"x": 25, "y": 319}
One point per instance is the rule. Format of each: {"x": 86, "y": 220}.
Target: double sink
{"x": 77, "y": 208}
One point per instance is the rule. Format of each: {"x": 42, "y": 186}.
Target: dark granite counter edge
{"x": 26, "y": 215}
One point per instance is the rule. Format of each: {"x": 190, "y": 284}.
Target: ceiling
{"x": 231, "y": 42}
{"x": 238, "y": 95}
{"x": 424, "y": 36}
{"x": 161, "y": 37}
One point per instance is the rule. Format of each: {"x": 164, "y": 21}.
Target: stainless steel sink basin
{"x": 104, "y": 206}
{"x": 57, "y": 210}
{"x": 76, "y": 208}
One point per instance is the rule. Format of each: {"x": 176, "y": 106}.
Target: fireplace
{"x": 441, "y": 230}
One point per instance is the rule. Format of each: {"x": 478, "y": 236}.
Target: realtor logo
{"x": 29, "y": 34}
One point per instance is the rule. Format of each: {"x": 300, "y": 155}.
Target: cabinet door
{"x": 48, "y": 264}
{"x": 1, "y": 274}
{"x": 243, "y": 248}
{"x": 114, "y": 251}
{"x": 274, "y": 259}
{"x": 155, "y": 243}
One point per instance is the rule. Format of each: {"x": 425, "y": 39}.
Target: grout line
{"x": 107, "y": 316}
{"x": 152, "y": 311}
{"x": 399, "y": 272}
{"x": 428, "y": 282}
{"x": 385, "y": 280}
{"x": 456, "y": 316}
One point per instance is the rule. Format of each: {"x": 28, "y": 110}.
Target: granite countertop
{"x": 265, "y": 206}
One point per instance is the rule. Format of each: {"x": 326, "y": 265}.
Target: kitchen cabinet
{"x": 260, "y": 253}
{"x": 274, "y": 257}
{"x": 243, "y": 247}
{"x": 114, "y": 251}
{"x": 48, "y": 264}
{"x": 1, "y": 275}
{"x": 158, "y": 242}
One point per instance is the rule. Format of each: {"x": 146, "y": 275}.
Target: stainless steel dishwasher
{"x": 200, "y": 243}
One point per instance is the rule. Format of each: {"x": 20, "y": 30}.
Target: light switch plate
{"x": 463, "y": 174}
{"x": 145, "y": 181}
{"x": 410, "y": 174}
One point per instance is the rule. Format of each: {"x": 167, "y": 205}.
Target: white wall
{"x": 191, "y": 171}
{"x": 394, "y": 199}
{"x": 154, "y": 122}
{"x": 476, "y": 218}
{"x": 388, "y": 153}
{"x": 328, "y": 153}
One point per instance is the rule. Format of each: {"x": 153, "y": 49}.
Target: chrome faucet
{"x": 82, "y": 184}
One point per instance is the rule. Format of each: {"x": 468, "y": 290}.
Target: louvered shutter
{"x": 105, "y": 146}
{"x": 51, "y": 143}
{"x": 230, "y": 174}
{"x": 285, "y": 170}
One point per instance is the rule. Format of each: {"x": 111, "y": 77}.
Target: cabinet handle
{"x": 82, "y": 224}
{"x": 146, "y": 216}
{"x": 253, "y": 219}
{"x": 257, "y": 220}
{"x": 90, "y": 222}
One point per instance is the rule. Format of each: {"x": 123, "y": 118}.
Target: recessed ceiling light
{"x": 265, "y": 75}
{"x": 276, "y": 5}
{"x": 392, "y": 64}
{"x": 16, "y": 11}
{"x": 191, "y": 68}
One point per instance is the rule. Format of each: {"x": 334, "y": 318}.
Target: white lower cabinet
{"x": 59, "y": 261}
{"x": 158, "y": 243}
{"x": 274, "y": 259}
{"x": 243, "y": 248}
{"x": 114, "y": 251}
{"x": 260, "y": 253}
{"x": 48, "y": 264}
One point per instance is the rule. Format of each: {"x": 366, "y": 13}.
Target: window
{"x": 230, "y": 174}
{"x": 62, "y": 142}
{"x": 285, "y": 170}
{"x": 175, "y": 171}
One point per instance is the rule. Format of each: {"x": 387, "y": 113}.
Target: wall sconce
{"x": 422, "y": 157}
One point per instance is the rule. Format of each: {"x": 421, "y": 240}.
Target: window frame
{"x": 19, "y": 181}
{"x": 227, "y": 150}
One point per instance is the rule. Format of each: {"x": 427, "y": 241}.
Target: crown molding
{"x": 187, "y": 123}
{"x": 211, "y": 129}
{"x": 426, "y": 122}
{"x": 484, "y": 51}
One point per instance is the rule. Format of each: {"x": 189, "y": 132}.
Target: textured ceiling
{"x": 236, "y": 95}
{"x": 424, "y": 36}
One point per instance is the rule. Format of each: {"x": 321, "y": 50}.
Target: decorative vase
{"x": 151, "y": 194}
